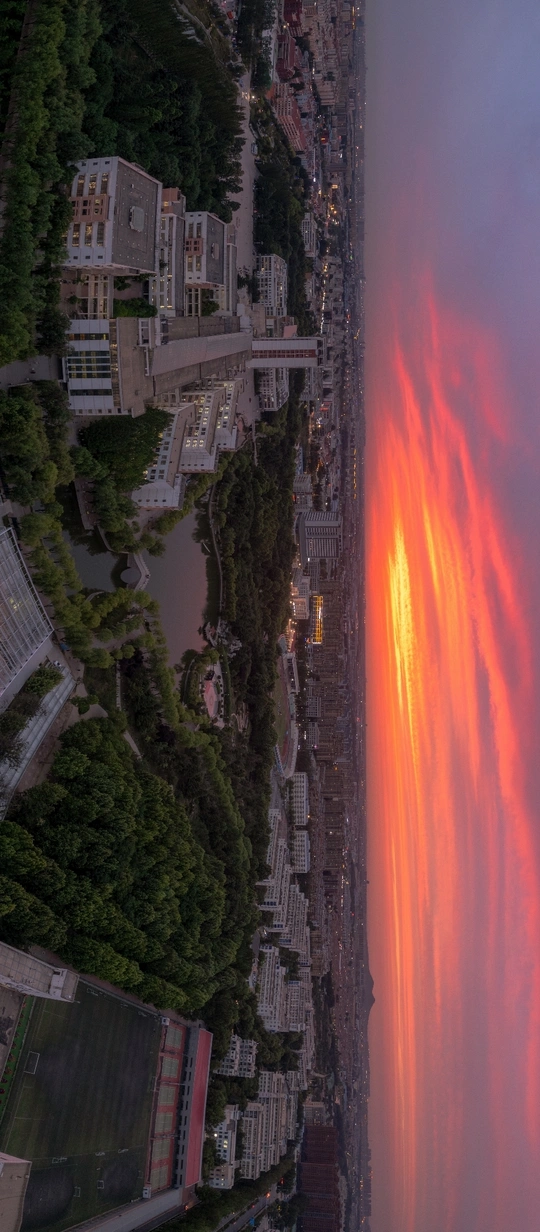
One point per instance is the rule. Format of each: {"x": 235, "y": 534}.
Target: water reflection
{"x": 98, "y": 568}
{"x": 178, "y": 582}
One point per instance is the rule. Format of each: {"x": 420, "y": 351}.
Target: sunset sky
{"x": 453, "y": 511}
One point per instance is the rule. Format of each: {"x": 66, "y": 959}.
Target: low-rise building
{"x": 211, "y": 426}
{"x": 164, "y": 485}
{"x": 300, "y": 592}
{"x": 31, "y": 976}
{"x": 116, "y": 216}
{"x": 205, "y": 262}
{"x": 272, "y": 279}
{"x": 273, "y": 388}
{"x": 14, "y": 1177}
{"x": 166, "y": 287}
{"x": 309, "y": 234}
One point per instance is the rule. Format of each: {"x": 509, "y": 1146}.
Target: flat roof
{"x": 135, "y": 191}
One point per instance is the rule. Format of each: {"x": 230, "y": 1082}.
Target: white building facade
{"x": 272, "y": 280}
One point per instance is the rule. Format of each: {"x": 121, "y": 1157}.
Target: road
{"x": 257, "y": 1208}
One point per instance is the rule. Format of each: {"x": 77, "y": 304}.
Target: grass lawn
{"x": 80, "y": 1106}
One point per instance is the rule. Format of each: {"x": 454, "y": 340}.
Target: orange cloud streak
{"x": 455, "y": 887}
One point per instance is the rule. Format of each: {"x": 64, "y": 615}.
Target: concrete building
{"x": 211, "y": 425}
{"x": 288, "y": 352}
{"x": 116, "y": 213}
{"x": 90, "y": 368}
{"x": 271, "y": 993}
{"x": 294, "y": 934}
{"x": 303, "y": 492}
{"x": 300, "y": 592}
{"x": 226, "y": 430}
{"x": 199, "y": 451}
{"x": 300, "y": 853}
{"x": 253, "y": 1122}
{"x": 166, "y": 287}
{"x": 314, "y": 1112}
{"x": 205, "y": 261}
{"x": 241, "y": 1059}
{"x": 14, "y": 1177}
{"x": 31, "y": 976}
{"x": 287, "y": 113}
{"x": 273, "y": 388}
{"x": 164, "y": 484}
{"x": 309, "y": 234}
{"x": 277, "y": 884}
{"x": 25, "y": 628}
{"x": 223, "y": 1175}
{"x": 300, "y": 798}
{"x": 269, "y": 1122}
{"x": 285, "y": 65}
{"x": 272, "y": 280}
{"x": 320, "y": 535}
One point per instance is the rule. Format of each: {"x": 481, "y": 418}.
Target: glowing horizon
{"x": 453, "y": 862}
{"x": 453, "y": 608}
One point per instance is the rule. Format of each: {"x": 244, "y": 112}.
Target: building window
{"x": 76, "y": 235}
{"x": 80, "y": 186}
{"x": 88, "y": 234}
{"x": 199, "y": 230}
{"x": 190, "y": 231}
{"x": 92, "y": 184}
{"x": 104, "y": 182}
{"x": 190, "y": 265}
{"x": 84, "y": 364}
{"x": 90, "y": 393}
{"x": 101, "y": 234}
{"x": 198, "y": 264}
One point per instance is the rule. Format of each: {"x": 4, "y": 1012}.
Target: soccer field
{"x": 80, "y": 1106}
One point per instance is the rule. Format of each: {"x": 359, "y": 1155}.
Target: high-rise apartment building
{"x": 320, "y": 535}
{"x": 240, "y": 1060}
{"x": 300, "y": 798}
{"x": 24, "y": 625}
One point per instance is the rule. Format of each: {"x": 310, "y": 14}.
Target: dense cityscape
{"x": 184, "y": 972}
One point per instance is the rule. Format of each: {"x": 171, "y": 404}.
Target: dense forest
{"x": 130, "y": 78}
{"x": 281, "y": 197}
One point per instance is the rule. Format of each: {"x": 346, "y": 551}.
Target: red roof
{"x": 198, "y": 1109}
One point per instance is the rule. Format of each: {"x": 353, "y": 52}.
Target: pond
{"x": 98, "y": 568}
{"x": 178, "y": 580}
